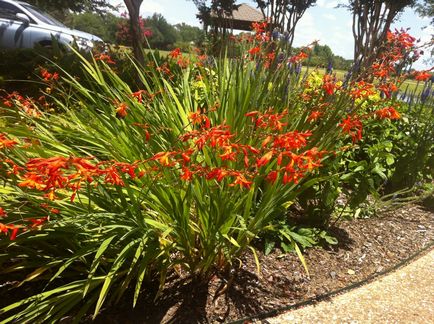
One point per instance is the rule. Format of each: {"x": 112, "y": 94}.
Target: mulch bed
{"x": 366, "y": 247}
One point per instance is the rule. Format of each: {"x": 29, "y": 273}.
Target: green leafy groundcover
{"x": 106, "y": 187}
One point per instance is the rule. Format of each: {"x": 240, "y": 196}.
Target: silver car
{"x": 24, "y": 26}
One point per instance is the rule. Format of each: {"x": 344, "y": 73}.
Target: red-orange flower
{"x": 5, "y": 228}
{"x": 3, "y": 213}
{"x": 37, "y": 222}
{"x": 388, "y": 112}
{"x": 241, "y": 180}
{"x": 388, "y": 89}
{"x": 314, "y": 115}
{"x": 218, "y": 173}
{"x": 105, "y": 58}
{"x": 255, "y": 50}
{"x": 163, "y": 158}
{"x": 33, "y": 180}
{"x": 264, "y": 159}
{"x": 139, "y": 95}
{"x": 299, "y": 57}
{"x": 228, "y": 154}
{"x": 362, "y": 90}
{"x": 422, "y": 76}
{"x": 199, "y": 117}
{"x": 272, "y": 176}
{"x": 291, "y": 140}
{"x": 353, "y": 127}
{"x": 121, "y": 110}
{"x": 5, "y": 142}
{"x": 112, "y": 176}
{"x": 259, "y": 27}
{"x": 329, "y": 85}
{"x": 49, "y": 76}
{"x": 175, "y": 53}
{"x": 187, "y": 175}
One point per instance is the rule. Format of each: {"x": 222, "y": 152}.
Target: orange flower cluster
{"x": 362, "y": 89}
{"x": 5, "y": 228}
{"x": 164, "y": 69}
{"x": 398, "y": 43}
{"x": 5, "y": 142}
{"x": 268, "y": 119}
{"x": 240, "y": 164}
{"x": 401, "y": 38}
{"x": 197, "y": 118}
{"x": 314, "y": 116}
{"x": 387, "y": 113}
{"x": 121, "y": 109}
{"x": 299, "y": 57}
{"x": 13, "y": 229}
{"x": 388, "y": 88}
{"x": 352, "y": 126}
{"x": 422, "y": 75}
{"x": 255, "y": 50}
{"x": 51, "y": 174}
{"x": 47, "y": 76}
{"x": 175, "y": 53}
{"x": 25, "y": 104}
{"x": 329, "y": 84}
{"x": 383, "y": 69}
{"x": 260, "y": 29}
{"x": 104, "y": 58}
{"x": 183, "y": 62}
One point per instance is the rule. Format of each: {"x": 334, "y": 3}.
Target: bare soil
{"x": 366, "y": 247}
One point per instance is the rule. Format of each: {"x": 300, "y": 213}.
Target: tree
{"x": 284, "y": 14}
{"x": 133, "y": 7}
{"x": 426, "y": 9}
{"x": 322, "y": 56}
{"x": 103, "y": 26}
{"x": 218, "y": 8}
{"x": 371, "y": 22}
{"x": 60, "y": 8}
{"x": 124, "y": 35}
{"x": 163, "y": 34}
{"x": 187, "y": 33}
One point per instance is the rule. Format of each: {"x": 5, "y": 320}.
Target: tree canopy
{"x": 284, "y": 14}
{"x": 372, "y": 20}
{"x": 426, "y": 9}
{"x": 61, "y": 6}
{"x": 103, "y": 26}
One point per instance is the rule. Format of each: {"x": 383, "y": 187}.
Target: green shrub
{"x": 107, "y": 187}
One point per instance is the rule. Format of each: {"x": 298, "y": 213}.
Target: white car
{"x": 24, "y": 26}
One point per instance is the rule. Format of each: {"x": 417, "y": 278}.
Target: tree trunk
{"x": 133, "y": 7}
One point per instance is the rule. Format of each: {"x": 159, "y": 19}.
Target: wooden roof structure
{"x": 240, "y": 19}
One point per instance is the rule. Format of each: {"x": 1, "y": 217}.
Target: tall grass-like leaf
{"x": 105, "y": 244}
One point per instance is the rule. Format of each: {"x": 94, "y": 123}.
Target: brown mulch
{"x": 366, "y": 247}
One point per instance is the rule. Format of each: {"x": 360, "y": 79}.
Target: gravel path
{"x": 404, "y": 296}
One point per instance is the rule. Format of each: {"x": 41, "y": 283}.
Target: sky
{"x": 323, "y": 22}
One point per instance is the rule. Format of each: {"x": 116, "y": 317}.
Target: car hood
{"x": 74, "y": 32}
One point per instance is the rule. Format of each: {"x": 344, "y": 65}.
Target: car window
{"x": 8, "y": 11}
{"x": 42, "y": 16}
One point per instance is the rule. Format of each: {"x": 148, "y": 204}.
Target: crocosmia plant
{"x": 107, "y": 185}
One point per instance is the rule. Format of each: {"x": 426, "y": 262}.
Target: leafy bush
{"x": 107, "y": 186}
